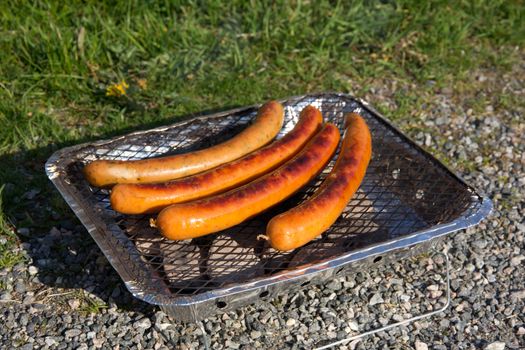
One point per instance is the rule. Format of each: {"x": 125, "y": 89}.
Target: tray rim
{"x": 482, "y": 209}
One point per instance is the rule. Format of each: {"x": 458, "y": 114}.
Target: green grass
{"x": 57, "y": 60}
{"x": 8, "y": 257}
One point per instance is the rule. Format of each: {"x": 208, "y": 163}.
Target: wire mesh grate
{"x": 403, "y": 192}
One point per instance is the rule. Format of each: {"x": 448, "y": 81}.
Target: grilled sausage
{"x": 212, "y": 214}
{"x": 308, "y": 220}
{"x": 149, "y": 198}
{"x": 109, "y": 172}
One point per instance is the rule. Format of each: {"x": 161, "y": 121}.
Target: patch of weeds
{"x": 91, "y": 305}
{"x": 8, "y": 241}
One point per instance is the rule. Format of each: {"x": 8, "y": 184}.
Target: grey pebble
{"x": 20, "y": 287}
{"x": 495, "y": 346}
{"x": 144, "y": 323}
{"x": 518, "y": 295}
{"x": 255, "y": 334}
{"x": 334, "y": 285}
{"x": 419, "y": 345}
{"x": 376, "y": 299}
{"x": 50, "y": 341}
{"x": 24, "y": 231}
{"x": 353, "y": 326}
{"x": 71, "y": 333}
{"x": 516, "y": 260}
{"x": 33, "y": 270}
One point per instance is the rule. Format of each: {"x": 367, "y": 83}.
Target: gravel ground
{"x": 68, "y": 296}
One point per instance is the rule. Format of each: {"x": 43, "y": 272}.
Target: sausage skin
{"x": 267, "y": 124}
{"x": 150, "y": 198}
{"x": 299, "y": 225}
{"x": 212, "y": 214}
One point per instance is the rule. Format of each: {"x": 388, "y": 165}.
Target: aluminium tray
{"x": 406, "y": 203}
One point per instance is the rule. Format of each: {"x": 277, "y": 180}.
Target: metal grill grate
{"x": 401, "y": 194}
{"x": 408, "y": 200}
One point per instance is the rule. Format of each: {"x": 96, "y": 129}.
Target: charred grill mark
{"x": 348, "y": 162}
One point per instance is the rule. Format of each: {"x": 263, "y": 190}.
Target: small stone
{"x": 482, "y": 78}
{"x": 33, "y": 270}
{"x": 314, "y": 327}
{"x": 444, "y": 323}
{"x": 24, "y": 319}
{"x": 50, "y": 341}
{"x": 433, "y": 287}
{"x": 498, "y": 345}
{"x": 55, "y": 232}
{"x": 353, "y": 344}
{"x": 517, "y": 295}
{"x": 74, "y": 304}
{"x": 290, "y": 322}
{"x": 404, "y": 298}
{"x": 70, "y": 333}
{"x": 353, "y": 326}
{"x": 521, "y": 331}
{"x": 383, "y": 321}
{"x": 98, "y": 342}
{"x": 398, "y": 318}
{"x": 434, "y": 294}
{"x": 334, "y": 285}
{"x": 441, "y": 120}
{"x": 162, "y": 326}
{"x": 90, "y": 335}
{"x": 24, "y": 231}
{"x": 232, "y": 345}
{"x": 20, "y": 287}
{"x": 419, "y": 345}
{"x": 255, "y": 334}
{"x": 428, "y": 140}
{"x": 515, "y": 261}
{"x": 376, "y": 299}
{"x": 480, "y": 244}
{"x": 144, "y": 323}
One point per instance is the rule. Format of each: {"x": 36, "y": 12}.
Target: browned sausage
{"x": 212, "y": 214}
{"x": 303, "y": 223}
{"x": 265, "y": 127}
{"x": 149, "y": 198}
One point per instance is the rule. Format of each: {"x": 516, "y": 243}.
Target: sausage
{"x": 149, "y": 198}
{"x": 215, "y": 213}
{"x": 267, "y": 124}
{"x": 299, "y": 225}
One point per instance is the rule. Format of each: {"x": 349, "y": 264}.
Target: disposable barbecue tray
{"x": 407, "y": 202}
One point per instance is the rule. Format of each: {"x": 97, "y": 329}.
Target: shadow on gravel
{"x": 62, "y": 252}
